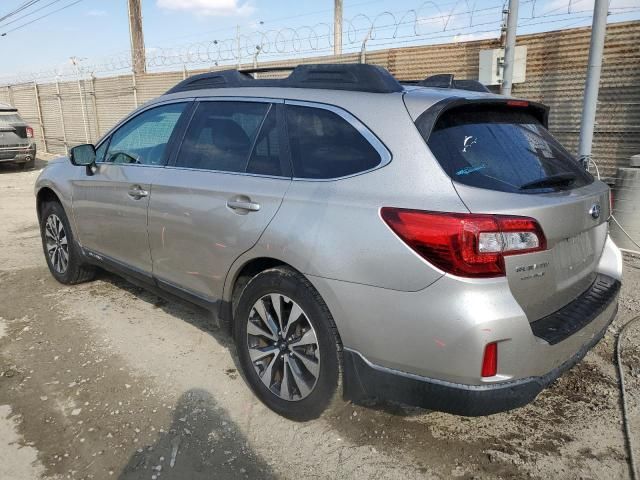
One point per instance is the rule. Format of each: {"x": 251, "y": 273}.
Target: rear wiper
{"x": 564, "y": 179}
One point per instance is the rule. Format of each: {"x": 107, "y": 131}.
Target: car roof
{"x": 5, "y": 107}
{"x": 329, "y": 83}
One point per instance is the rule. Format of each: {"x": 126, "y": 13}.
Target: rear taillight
{"x": 29, "y": 132}
{"x": 490, "y": 360}
{"x": 465, "y": 244}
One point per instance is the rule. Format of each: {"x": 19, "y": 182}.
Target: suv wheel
{"x": 63, "y": 255}
{"x": 288, "y": 344}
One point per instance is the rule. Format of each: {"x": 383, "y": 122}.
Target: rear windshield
{"x": 8, "y": 119}
{"x": 502, "y": 149}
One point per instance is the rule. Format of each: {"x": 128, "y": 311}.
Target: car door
{"x": 110, "y": 205}
{"x": 218, "y": 194}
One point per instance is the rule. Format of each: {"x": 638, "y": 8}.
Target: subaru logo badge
{"x": 594, "y": 211}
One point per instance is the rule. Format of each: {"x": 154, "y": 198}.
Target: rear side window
{"x": 221, "y": 135}
{"x": 265, "y": 158}
{"x": 324, "y": 145}
{"x": 502, "y": 149}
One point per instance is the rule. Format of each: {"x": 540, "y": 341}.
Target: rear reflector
{"x": 465, "y": 244}
{"x": 29, "y": 132}
{"x": 517, "y": 103}
{"x": 490, "y": 360}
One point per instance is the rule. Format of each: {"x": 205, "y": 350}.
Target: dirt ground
{"x": 105, "y": 380}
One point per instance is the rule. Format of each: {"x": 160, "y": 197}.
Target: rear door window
{"x": 324, "y": 145}
{"x": 502, "y": 149}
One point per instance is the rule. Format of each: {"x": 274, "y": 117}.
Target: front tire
{"x": 63, "y": 255}
{"x": 288, "y": 344}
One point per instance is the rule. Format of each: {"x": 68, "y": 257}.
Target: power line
{"x": 17, "y": 10}
{"x": 29, "y": 14}
{"x": 41, "y": 17}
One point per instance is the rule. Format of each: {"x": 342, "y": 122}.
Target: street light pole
{"x": 510, "y": 48}
{"x": 592, "y": 83}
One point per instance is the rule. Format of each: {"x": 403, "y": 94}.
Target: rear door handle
{"x": 248, "y": 206}
{"x": 137, "y": 192}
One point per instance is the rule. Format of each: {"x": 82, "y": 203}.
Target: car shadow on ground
{"x": 202, "y": 442}
{"x": 17, "y": 167}
{"x": 207, "y": 322}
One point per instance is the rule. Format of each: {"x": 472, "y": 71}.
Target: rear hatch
{"x": 502, "y": 160}
{"x": 13, "y": 130}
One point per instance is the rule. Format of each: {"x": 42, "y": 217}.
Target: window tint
{"x": 143, "y": 140}
{"x": 101, "y": 150}
{"x": 9, "y": 119}
{"x": 221, "y": 135}
{"x": 265, "y": 158}
{"x": 325, "y": 145}
{"x": 502, "y": 149}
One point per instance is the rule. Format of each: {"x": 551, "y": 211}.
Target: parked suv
{"x": 17, "y": 144}
{"x": 431, "y": 244}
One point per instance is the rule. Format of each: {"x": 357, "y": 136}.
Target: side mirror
{"x": 83, "y": 155}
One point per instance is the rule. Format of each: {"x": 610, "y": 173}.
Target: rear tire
{"x": 64, "y": 258}
{"x": 280, "y": 312}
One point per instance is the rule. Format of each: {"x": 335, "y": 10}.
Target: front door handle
{"x": 137, "y": 192}
{"x": 247, "y": 206}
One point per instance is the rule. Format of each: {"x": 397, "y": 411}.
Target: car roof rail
{"x": 446, "y": 80}
{"x": 341, "y": 76}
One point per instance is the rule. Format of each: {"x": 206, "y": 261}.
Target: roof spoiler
{"x": 427, "y": 119}
{"x": 446, "y": 80}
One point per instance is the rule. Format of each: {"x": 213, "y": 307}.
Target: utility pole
{"x": 337, "y": 27}
{"x": 138, "y": 57}
{"x": 592, "y": 83}
{"x": 509, "y": 48}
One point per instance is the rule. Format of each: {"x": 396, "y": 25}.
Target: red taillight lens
{"x": 517, "y": 103}
{"x": 490, "y": 360}
{"x": 29, "y": 132}
{"x": 465, "y": 244}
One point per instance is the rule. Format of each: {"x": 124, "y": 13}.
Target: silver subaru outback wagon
{"x": 429, "y": 243}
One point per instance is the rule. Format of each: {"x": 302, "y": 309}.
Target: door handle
{"x": 248, "y": 205}
{"x": 137, "y": 192}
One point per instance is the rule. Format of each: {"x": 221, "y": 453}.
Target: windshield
{"x": 502, "y": 148}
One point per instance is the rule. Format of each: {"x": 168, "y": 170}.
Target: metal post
{"x": 510, "y": 48}
{"x": 10, "y": 95}
{"x": 238, "y": 44}
{"x": 363, "y": 49}
{"x": 337, "y": 27}
{"x": 184, "y": 71}
{"x": 84, "y": 108}
{"x": 592, "y": 83}
{"x": 37, "y": 95}
{"x": 64, "y": 129}
{"x": 135, "y": 91}
{"x": 95, "y": 105}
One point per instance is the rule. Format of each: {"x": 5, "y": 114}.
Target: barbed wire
{"x": 430, "y": 21}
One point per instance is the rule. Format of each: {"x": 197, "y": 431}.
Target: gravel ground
{"x": 105, "y": 380}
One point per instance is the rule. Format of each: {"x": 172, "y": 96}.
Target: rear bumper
{"x": 364, "y": 380}
{"x": 18, "y": 155}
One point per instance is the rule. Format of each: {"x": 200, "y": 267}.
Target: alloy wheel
{"x": 283, "y": 347}
{"x": 57, "y": 243}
